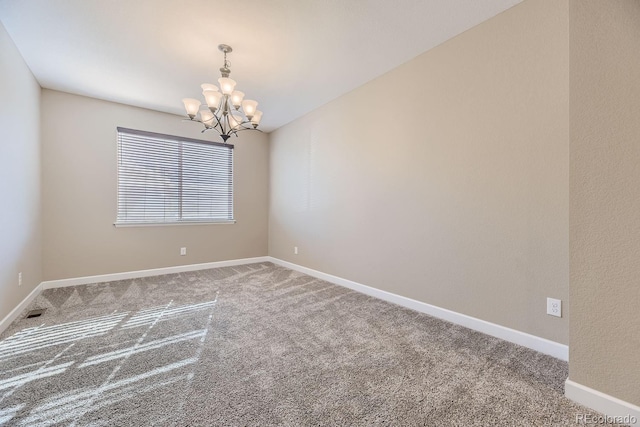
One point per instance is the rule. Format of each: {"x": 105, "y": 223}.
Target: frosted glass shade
{"x": 209, "y": 86}
{"x": 234, "y": 121}
{"x": 191, "y": 105}
{"x": 236, "y": 98}
{"x": 255, "y": 120}
{"x": 207, "y": 118}
{"x": 249, "y": 107}
{"x": 213, "y": 98}
{"x": 227, "y": 85}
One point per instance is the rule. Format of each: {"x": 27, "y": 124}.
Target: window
{"x": 165, "y": 179}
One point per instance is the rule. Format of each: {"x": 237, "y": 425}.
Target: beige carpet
{"x": 262, "y": 345}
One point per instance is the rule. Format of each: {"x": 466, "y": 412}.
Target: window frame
{"x": 177, "y": 139}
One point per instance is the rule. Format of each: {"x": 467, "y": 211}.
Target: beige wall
{"x": 20, "y": 228}
{"x": 79, "y": 194}
{"x": 605, "y": 196}
{"x": 445, "y": 180}
{"x": 457, "y": 196}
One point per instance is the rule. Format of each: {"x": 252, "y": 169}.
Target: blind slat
{"x": 163, "y": 178}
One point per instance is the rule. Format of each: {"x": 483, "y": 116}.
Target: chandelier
{"x": 227, "y": 111}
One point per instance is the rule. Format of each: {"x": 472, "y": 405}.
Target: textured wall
{"x": 445, "y": 180}
{"x": 80, "y": 187}
{"x": 20, "y": 228}
{"x": 605, "y": 196}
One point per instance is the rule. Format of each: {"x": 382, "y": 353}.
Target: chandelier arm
{"x": 229, "y": 128}
{"x": 249, "y": 125}
{"x": 195, "y": 120}
{"x": 206, "y": 128}
{"x": 241, "y": 126}
{"x": 218, "y": 124}
{"x": 211, "y": 128}
{"x": 240, "y": 130}
{"x": 226, "y": 112}
{"x": 229, "y": 133}
{"x": 222, "y": 123}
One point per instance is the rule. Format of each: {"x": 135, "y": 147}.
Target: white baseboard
{"x": 13, "y": 314}
{"x": 601, "y": 402}
{"x": 542, "y": 345}
{"x": 50, "y": 284}
{"x": 552, "y": 348}
{"x": 147, "y": 273}
{"x": 579, "y": 393}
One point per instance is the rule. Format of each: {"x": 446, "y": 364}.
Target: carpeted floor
{"x": 262, "y": 345}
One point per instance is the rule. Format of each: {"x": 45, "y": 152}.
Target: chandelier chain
{"x": 227, "y": 63}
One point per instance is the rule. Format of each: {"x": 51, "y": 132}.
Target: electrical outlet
{"x": 295, "y": 250}
{"x": 183, "y": 251}
{"x": 20, "y": 279}
{"x": 554, "y": 307}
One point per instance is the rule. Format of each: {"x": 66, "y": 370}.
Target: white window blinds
{"x": 171, "y": 179}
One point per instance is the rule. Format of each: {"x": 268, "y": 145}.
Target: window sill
{"x": 161, "y": 224}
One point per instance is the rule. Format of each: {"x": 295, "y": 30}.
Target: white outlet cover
{"x": 183, "y": 251}
{"x": 554, "y": 307}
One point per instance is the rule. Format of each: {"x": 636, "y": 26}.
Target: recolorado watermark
{"x": 594, "y": 419}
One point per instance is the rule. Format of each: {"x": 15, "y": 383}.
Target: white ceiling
{"x": 290, "y": 55}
